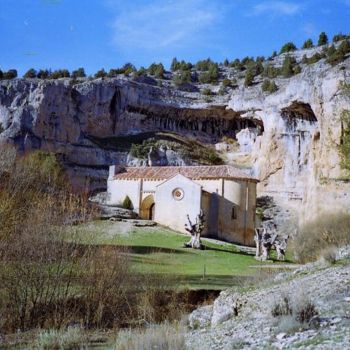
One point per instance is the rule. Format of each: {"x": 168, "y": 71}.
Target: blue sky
{"x": 107, "y": 33}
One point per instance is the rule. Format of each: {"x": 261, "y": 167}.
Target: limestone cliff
{"x": 288, "y": 139}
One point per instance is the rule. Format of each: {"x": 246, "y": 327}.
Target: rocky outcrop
{"x": 297, "y": 158}
{"x": 288, "y": 138}
{"x": 253, "y": 325}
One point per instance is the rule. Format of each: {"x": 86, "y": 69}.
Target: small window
{"x": 178, "y": 194}
{"x": 234, "y": 213}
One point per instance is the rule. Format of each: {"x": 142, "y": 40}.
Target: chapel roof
{"x": 192, "y": 172}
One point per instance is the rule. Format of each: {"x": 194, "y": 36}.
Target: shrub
{"x": 174, "y": 65}
{"x": 127, "y": 203}
{"x": 161, "y": 337}
{"x": 288, "y": 66}
{"x": 205, "y": 65}
{"x": 293, "y": 311}
{"x": 296, "y": 69}
{"x": 332, "y": 230}
{"x": 10, "y": 74}
{"x": 1, "y": 128}
{"x": 72, "y": 338}
{"x": 269, "y": 86}
{"x": 60, "y": 73}
{"x": 339, "y": 37}
{"x": 30, "y": 74}
{"x": 288, "y": 47}
{"x": 249, "y": 78}
{"x": 182, "y": 78}
{"x": 314, "y": 58}
{"x": 211, "y": 76}
{"x": 78, "y": 73}
{"x": 273, "y": 55}
{"x": 207, "y": 92}
{"x": 227, "y": 83}
{"x": 270, "y": 71}
{"x": 329, "y": 254}
{"x": 43, "y": 74}
{"x": 1, "y": 74}
{"x": 157, "y": 70}
{"x": 308, "y": 44}
{"x": 141, "y": 72}
{"x": 322, "y": 39}
{"x": 100, "y": 74}
{"x": 344, "y": 147}
{"x": 336, "y": 56}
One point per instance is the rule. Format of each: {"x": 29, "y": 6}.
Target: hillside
{"x": 245, "y": 318}
{"x": 288, "y": 136}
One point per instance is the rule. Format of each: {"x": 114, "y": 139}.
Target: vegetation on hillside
{"x": 345, "y": 138}
{"x": 50, "y": 279}
{"x": 207, "y": 71}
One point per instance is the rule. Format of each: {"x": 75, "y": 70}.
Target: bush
{"x": 1, "y": 128}
{"x": 207, "y": 92}
{"x": 79, "y": 73}
{"x": 249, "y": 78}
{"x": 43, "y": 74}
{"x": 160, "y": 337}
{"x": 100, "y": 74}
{"x": 313, "y": 59}
{"x": 10, "y": 74}
{"x": 270, "y": 71}
{"x": 72, "y": 338}
{"x": 183, "y": 77}
{"x": 269, "y": 86}
{"x": 211, "y": 76}
{"x": 127, "y": 203}
{"x": 60, "y": 73}
{"x": 205, "y": 65}
{"x": 338, "y": 55}
{"x": 323, "y": 39}
{"x": 288, "y": 47}
{"x": 308, "y": 44}
{"x": 30, "y": 74}
{"x": 344, "y": 147}
{"x": 288, "y": 66}
{"x": 227, "y": 83}
{"x": 293, "y": 311}
{"x": 339, "y": 37}
{"x": 157, "y": 70}
{"x": 332, "y": 230}
{"x": 141, "y": 72}
{"x": 176, "y": 65}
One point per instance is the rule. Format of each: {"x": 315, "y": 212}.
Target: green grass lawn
{"x": 155, "y": 250}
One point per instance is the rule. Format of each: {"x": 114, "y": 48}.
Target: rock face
{"x": 296, "y": 158}
{"x": 253, "y": 325}
{"x": 288, "y": 138}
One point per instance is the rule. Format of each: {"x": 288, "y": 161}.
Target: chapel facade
{"x": 167, "y": 194}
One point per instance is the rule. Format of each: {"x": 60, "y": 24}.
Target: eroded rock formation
{"x": 288, "y": 138}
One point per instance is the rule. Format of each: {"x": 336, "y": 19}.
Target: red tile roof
{"x": 192, "y": 172}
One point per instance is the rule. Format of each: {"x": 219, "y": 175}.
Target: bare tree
{"x": 195, "y": 230}
{"x": 265, "y": 241}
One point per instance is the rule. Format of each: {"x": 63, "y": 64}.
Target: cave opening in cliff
{"x": 298, "y": 112}
{"x": 208, "y": 124}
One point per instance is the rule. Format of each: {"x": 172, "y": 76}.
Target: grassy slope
{"x": 160, "y": 250}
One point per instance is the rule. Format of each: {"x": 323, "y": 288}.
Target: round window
{"x": 178, "y": 194}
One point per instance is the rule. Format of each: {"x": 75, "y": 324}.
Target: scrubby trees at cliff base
{"x": 49, "y": 279}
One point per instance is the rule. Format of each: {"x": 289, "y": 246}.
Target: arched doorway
{"x": 147, "y": 208}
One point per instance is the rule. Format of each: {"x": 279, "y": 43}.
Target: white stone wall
{"x": 173, "y": 213}
{"x": 119, "y": 189}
